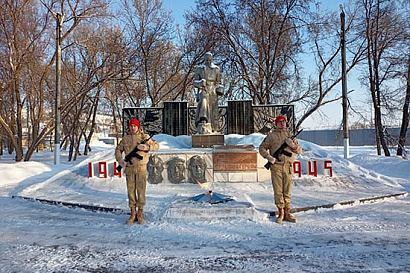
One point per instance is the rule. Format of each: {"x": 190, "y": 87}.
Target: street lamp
{"x": 57, "y": 116}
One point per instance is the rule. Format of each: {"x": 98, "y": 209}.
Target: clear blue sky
{"x": 178, "y": 7}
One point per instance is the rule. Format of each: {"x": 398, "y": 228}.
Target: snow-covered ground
{"x": 371, "y": 236}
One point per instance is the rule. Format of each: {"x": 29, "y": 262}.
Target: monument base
{"x": 203, "y": 211}
{"x": 207, "y": 141}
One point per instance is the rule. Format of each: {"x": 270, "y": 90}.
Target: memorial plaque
{"x": 235, "y": 158}
{"x": 240, "y": 117}
{"x": 175, "y": 121}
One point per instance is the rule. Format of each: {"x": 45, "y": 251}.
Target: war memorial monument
{"x": 210, "y": 159}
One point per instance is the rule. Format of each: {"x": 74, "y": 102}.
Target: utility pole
{"x": 57, "y": 116}
{"x": 57, "y": 102}
{"x": 344, "y": 85}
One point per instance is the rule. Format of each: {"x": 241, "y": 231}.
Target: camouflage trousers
{"x": 282, "y": 175}
{"x": 136, "y": 185}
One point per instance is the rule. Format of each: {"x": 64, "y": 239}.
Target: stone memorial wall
{"x": 239, "y": 117}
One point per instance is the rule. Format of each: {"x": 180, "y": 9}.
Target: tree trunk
{"x": 405, "y": 118}
{"x": 17, "y": 120}
{"x": 379, "y": 124}
{"x": 87, "y": 147}
{"x": 92, "y": 129}
{"x": 38, "y": 139}
{"x": 373, "y": 60}
{"x": 10, "y": 147}
{"x": 71, "y": 149}
{"x": 77, "y": 146}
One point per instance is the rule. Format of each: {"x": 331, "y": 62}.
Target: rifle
{"x": 133, "y": 154}
{"x": 281, "y": 150}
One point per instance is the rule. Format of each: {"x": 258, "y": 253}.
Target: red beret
{"x": 134, "y": 121}
{"x": 279, "y": 118}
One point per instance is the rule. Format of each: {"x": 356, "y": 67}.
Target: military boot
{"x": 140, "y": 217}
{"x": 279, "y": 219}
{"x": 289, "y": 217}
{"x": 132, "y": 217}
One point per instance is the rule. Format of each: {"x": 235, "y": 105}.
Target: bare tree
{"x": 406, "y": 111}
{"x": 23, "y": 44}
{"x": 26, "y": 47}
{"x": 91, "y": 62}
{"x": 324, "y": 34}
{"x": 156, "y": 62}
{"x": 385, "y": 36}
{"x": 74, "y": 13}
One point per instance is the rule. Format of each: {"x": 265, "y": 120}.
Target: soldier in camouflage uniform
{"x": 282, "y": 169}
{"x": 136, "y": 171}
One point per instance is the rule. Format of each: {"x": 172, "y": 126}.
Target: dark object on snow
{"x": 212, "y": 197}
{"x": 73, "y": 205}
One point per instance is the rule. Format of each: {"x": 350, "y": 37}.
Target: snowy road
{"x": 363, "y": 238}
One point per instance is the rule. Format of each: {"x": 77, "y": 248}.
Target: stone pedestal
{"x": 207, "y": 141}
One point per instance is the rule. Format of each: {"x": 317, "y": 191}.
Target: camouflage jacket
{"x": 274, "y": 140}
{"x": 129, "y": 142}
